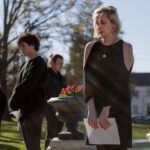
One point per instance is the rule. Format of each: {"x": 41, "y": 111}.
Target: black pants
{"x": 54, "y": 126}
{"x": 31, "y": 126}
{"x": 110, "y": 147}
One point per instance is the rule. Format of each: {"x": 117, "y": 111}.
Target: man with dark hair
{"x": 28, "y": 96}
{"x": 30, "y": 39}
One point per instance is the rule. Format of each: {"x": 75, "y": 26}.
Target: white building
{"x": 141, "y": 96}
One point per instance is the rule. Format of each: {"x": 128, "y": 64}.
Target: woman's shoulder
{"x": 128, "y": 54}
{"x": 87, "y": 51}
{"x": 127, "y": 46}
{"x": 89, "y": 45}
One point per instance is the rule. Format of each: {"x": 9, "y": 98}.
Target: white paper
{"x": 16, "y": 114}
{"x": 101, "y": 136}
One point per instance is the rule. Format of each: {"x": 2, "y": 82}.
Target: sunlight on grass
{"x": 10, "y": 138}
{"x": 140, "y": 130}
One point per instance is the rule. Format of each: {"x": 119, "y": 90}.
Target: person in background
{"x": 107, "y": 67}
{"x": 28, "y": 96}
{"x": 54, "y": 126}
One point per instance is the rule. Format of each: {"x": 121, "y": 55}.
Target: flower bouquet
{"x": 71, "y": 91}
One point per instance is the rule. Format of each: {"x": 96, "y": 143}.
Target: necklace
{"x": 105, "y": 55}
{"x": 113, "y": 41}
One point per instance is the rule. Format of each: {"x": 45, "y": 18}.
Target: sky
{"x": 135, "y": 21}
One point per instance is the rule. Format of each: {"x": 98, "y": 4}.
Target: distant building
{"x": 140, "y": 93}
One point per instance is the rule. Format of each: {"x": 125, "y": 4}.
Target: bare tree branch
{"x": 12, "y": 57}
{"x": 12, "y": 40}
{"x": 14, "y": 13}
{"x": 42, "y": 17}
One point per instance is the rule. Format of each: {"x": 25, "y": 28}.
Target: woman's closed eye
{"x": 103, "y": 22}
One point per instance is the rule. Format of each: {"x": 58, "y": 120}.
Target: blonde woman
{"x": 107, "y": 66}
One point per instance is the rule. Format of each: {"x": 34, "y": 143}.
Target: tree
{"x": 74, "y": 68}
{"x": 42, "y": 17}
{"x": 82, "y": 33}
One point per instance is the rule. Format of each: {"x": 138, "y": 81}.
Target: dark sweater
{"x": 57, "y": 82}
{"x": 28, "y": 95}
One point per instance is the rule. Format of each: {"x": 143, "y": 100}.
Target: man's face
{"x": 26, "y": 48}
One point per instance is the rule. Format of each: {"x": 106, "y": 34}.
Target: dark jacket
{"x": 57, "y": 82}
{"x": 28, "y": 95}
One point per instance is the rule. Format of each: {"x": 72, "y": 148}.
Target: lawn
{"x": 140, "y": 130}
{"x": 10, "y": 139}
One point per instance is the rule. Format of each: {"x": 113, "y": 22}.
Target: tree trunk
{"x": 3, "y": 75}
{"x": 3, "y": 79}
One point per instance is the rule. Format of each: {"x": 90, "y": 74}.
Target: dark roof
{"x": 140, "y": 79}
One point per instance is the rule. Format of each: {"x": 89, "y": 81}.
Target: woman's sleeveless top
{"x": 106, "y": 76}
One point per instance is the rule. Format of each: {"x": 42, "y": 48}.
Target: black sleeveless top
{"x": 107, "y": 80}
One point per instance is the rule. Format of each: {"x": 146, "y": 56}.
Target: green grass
{"x": 10, "y": 139}
{"x": 140, "y": 130}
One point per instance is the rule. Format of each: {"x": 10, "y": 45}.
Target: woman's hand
{"x": 92, "y": 116}
{"x": 103, "y": 118}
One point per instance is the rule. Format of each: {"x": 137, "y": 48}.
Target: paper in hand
{"x": 101, "y": 136}
{"x": 16, "y": 114}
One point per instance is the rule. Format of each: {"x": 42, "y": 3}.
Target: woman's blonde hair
{"x": 112, "y": 15}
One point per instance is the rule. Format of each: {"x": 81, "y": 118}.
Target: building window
{"x": 135, "y": 109}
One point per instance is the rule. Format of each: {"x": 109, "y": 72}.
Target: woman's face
{"x": 57, "y": 66}
{"x": 104, "y": 25}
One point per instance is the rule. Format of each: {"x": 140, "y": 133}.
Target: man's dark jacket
{"x": 28, "y": 95}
